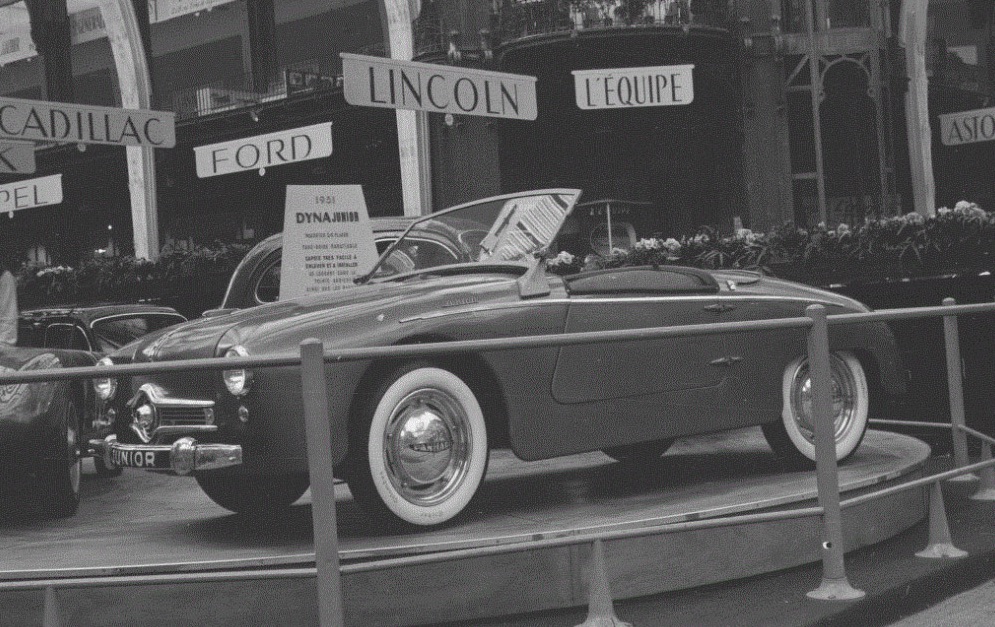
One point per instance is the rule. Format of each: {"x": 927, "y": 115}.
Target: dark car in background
{"x": 412, "y": 436}
{"x": 44, "y": 427}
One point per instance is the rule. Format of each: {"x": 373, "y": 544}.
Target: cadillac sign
{"x": 393, "y": 84}
{"x": 30, "y": 120}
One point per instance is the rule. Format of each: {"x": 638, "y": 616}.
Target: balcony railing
{"x": 250, "y": 90}
{"x": 828, "y": 14}
{"x": 518, "y": 18}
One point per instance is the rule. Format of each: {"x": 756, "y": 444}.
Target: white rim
{"x": 850, "y": 404}
{"x": 427, "y": 446}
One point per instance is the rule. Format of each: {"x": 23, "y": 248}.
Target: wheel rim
{"x": 844, "y": 398}
{"x": 427, "y": 446}
{"x": 72, "y": 448}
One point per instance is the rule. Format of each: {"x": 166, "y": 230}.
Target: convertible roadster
{"x": 411, "y": 437}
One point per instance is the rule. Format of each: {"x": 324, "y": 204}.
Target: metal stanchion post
{"x": 319, "y": 460}
{"x": 835, "y": 585}
{"x": 955, "y": 383}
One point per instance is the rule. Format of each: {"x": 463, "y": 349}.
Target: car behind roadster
{"x": 411, "y": 438}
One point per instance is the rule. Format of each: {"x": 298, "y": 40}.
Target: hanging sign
{"x": 17, "y": 158}
{"x": 162, "y": 10}
{"x": 32, "y": 193}
{"x": 393, "y": 84}
{"x": 264, "y": 151}
{"x": 327, "y": 240}
{"x": 620, "y": 88}
{"x": 35, "y": 120}
{"x": 967, "y": 127}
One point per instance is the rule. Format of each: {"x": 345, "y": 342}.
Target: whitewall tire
{"x": 420, "y": 454}
{"x": 793, "y": 436}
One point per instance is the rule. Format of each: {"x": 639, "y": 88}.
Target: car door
{"x": 634, "y": 299}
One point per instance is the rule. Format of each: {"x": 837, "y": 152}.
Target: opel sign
{"x": 39, "y": 192}
{"x": 60, "y": 122}
{"x": 392, "y": 84}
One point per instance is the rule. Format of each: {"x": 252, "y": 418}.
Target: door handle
{"x": 719, "y": 307}
{"x": 727, "y": 361}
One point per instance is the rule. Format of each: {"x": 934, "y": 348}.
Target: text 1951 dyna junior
{"x": 411, "y": 438}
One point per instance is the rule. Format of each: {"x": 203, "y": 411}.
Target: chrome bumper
{"x": 183, "y": 457}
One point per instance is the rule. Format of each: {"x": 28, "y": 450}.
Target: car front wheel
{"x": 63, "y": 467}
{"x": 253, "y": 494}
{"x": 793, "y": 437}
{"x": 425, "y": 450}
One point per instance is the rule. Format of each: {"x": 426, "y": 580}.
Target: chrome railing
{"x": 314, "y": 361}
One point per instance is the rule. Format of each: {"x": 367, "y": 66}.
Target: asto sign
{"x": 393, "y": 84}
{"x": 967, "y": 127}
{"x": 620, "y": 88}
{"x": 264, "y": 151}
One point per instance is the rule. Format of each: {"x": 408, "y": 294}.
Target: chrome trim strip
{"x": 136, "y": 314}
{"x": 601, "y": 301}
{"x": 158, "y": 396}
{"x": 183, "y": 430}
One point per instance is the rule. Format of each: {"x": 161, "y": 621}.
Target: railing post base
{"x": 835, "y": 590}
{"x": 939, "y": 545}
{"x": 600, "y": 609}
{"x": 52, "y": 615}
{"x": 986, "y": 487}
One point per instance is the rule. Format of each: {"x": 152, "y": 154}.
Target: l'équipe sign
{"x": 39, "y": 192}
{"x": 392, "y": 84}
{"x": 327, "y": 239}
{"x": 264, "y": 151}
{"x": 33, "y": 120}
{"x": 967, "y": 127}
{"x": 657, "y": 86}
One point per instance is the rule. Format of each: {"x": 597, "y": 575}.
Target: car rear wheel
{"x": 253, "y": 494}
{"x": 62, "y": 468}
{"x": 638, "y": 453}
{"x": 419, "y": 454}
{"x": 793, "y": 437}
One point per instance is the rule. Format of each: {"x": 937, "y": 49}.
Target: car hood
{"x": 279, "y": 326}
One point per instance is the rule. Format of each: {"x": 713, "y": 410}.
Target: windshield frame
{"x": 576, "y": 193}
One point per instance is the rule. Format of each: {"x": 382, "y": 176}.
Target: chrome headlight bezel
{"x": 237, "y": 381}
{"x": 105, "y": 389}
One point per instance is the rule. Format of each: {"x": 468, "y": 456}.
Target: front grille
{"x": 184, "y": 416}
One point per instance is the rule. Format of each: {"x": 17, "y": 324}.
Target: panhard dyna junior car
{"x": 411, "y": 437}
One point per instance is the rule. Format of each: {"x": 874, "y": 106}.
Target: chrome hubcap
{"x": 843, "y": 395}
{"x": 427, "y": 446}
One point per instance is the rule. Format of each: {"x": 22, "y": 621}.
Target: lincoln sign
{"x": 32, "y": 120}
{"x": 391, "y": 84}
{"x": 621, "y": 88}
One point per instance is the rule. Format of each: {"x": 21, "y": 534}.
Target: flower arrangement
{"x": 961, "y": 239}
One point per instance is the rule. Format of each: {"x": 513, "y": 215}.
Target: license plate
{"x": 140, "y": 459}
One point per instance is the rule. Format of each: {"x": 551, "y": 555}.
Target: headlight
{"x": 239, "y": 381}
{"x": 105, "y": 388}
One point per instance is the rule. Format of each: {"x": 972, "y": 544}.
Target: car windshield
{"x": 497, "y": 230}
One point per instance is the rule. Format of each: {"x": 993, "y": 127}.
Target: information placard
{"x": 327, "y": 239}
